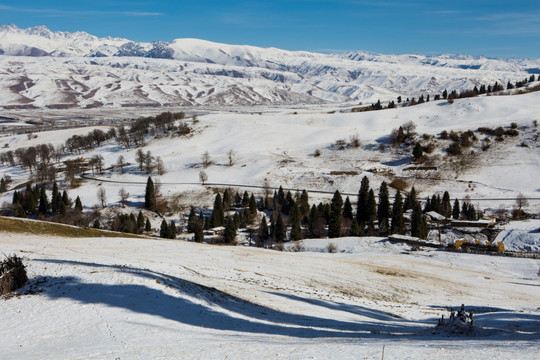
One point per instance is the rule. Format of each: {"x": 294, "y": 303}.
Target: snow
{"x": 521, "y": 236}
{"x": 199, "y": 72}
{"x": 145, "y": 298}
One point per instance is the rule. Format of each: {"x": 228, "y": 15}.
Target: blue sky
{"x": 477, "y": 27}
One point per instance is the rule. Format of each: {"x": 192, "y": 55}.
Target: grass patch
{"x": 16, "y": 225}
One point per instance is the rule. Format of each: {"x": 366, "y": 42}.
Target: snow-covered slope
{"x": 145, "y": 298}
{"x": 41, "y": 68}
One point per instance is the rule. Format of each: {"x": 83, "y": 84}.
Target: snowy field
{"x": 143, "y": 298}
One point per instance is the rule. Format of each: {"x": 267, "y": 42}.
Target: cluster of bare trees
{"x": 156, "y": 126}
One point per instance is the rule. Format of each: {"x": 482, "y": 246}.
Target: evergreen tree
{"x": 193, "y": 220}
{"x": 355, "y": 228}
{"x": 19, "y": 211}
{"x": 336, "y": 211}
{"x": 371, "y": 210}
{"x": 198, "y": 231}
{"x": 398, "y": 223}
{"x": 43, "y": 202}
{"x": 147, "y": 226}
{"x": 226, "y": 200}
{"x": 316, "y": 228}
{"x": 3, "y": 187}
{"x": 455, "y": 210}
{"x": 164, "y": 229}
{"x": 140, "y": 221}
{"x": 418, "y": 222}
{"x": 150, "y": 195}
{"x": 65, "y": 200}
{"x": 279, "y": 231}
{"x": 171, "y": 230}
{"x": 296, "y": 231}
{"x": 229, "y": 235}
{"x": 383, "y": 210}
{"x": 245, "y": 199}
{"x": 417, "y": 151}
{"x": 347, "y": 209}
{"x": 303, "y": 204}
{"x": 263, "y": 230}
{"x": 446, "y": 206}
{"x": 252, "y": 206}
{"x": 97, "y": 224}
{"x": 78, "y": 204}
{"x": 218, "y": 214}
{"x": 363, "y": 194}
{"x": 288, "y": 204}
{"x": 409, "y": 200}
{"x": 56, "y": 199}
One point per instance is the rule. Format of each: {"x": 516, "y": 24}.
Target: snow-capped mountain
{"x": 42, "y": 68}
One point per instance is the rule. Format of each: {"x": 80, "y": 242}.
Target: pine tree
{"x": 279, "y": 231}
{"x": 218, "y": 214}
{"x": 78, "y": 204}
{"x": 229, "y": 235}
{"x": 56, "y": 199}
{"x": 336, "y": 216}
{"x": 3, "y": 187}
{"x": 252, "y": 206}
{"x": 398, "y": 223}
{"x": 446, "y": 206}
{"x": 363, "y": 194}
{"x": 140, "y": 221}
{"x": 355, "y": 228}
{"x": 371, "y": 210}
{"x": 198, "y": 230}
{"x": 296, "y": 231}
{"x": 347, "y": 209}
{"x": 245, "y": 199}
{"x": 263, "y": 230}
{"x": 226, "y": 200}
{"x": 303, "y": 204}
{"x": 455, "y": 209}
{"x": 43, "y": 202}
{"x": 193, "y": 220}
{"x": 418, "y": 222}
{"x": 164, "y": 229}
{"x": 147, "y": 226}
{"x": 383, "y": 210}
{"x": 409, "y": 200}
{"x": 171, "y": 230}
{"x": 417, "y": 151}
{"x": 150, "y": 195}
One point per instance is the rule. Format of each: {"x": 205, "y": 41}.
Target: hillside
{"x": 139, "y": 299}
{"x": 44, "y": 69}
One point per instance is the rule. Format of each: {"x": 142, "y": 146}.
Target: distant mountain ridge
{"x": 42, "y": 68}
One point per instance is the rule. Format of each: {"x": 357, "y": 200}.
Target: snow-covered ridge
{"x": 42, "y": 68}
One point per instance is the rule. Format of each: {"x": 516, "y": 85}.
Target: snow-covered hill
{"x": 41, "y": 68}
{"x": 118, "y": 298}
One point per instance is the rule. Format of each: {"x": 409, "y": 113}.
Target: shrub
{"x": 443, "y": 135}
{"x": 514, "y": 125}
{"x": 454, "y": 136}
{"x": 459, "y": 243}
{"x": 331, "y": 248}
{"x": 454, "y": 149}
{"x": 12, "y": 274}
{"x": 398, "y": 184}
{"x": 512, "y": 132}
{"x": 354, "y": 141}
{"x": 317, "y": 153}
{"x": 500, "y": 247}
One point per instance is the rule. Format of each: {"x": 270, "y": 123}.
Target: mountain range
{"x": 40, "y": 68}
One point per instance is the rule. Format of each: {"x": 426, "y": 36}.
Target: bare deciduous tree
{"x": 206, "y": 160}
{"x": 121, "y": 163}
{"x": 230, "y": 156}
{"x": 160, "y": 166}
{"x": 124, "y": 195}
{"x": 203, "y": 177}
{"x": 102, "y": 197}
